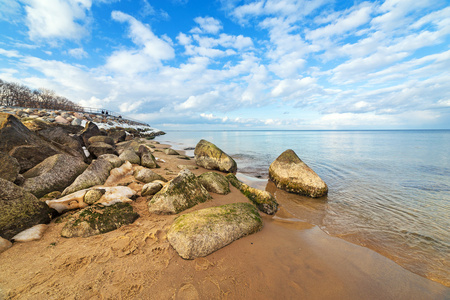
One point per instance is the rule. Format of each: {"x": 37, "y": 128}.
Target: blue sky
{"x": 269, "y": 64}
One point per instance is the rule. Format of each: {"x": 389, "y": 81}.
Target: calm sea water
{"x": 388, "y": 190}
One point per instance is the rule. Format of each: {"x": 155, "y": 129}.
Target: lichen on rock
{"x": 215, "y": 183}
{"x": 211, "y": 157}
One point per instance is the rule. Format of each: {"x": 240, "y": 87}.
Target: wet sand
{"x": 287, "y": 259}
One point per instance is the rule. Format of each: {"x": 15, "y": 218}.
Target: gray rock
{"x": 263, "y": 200}
{"x": 99, "y": 148}
{"x": 215, "y": 183}
{"x": 93, "y": 196}
{"x": 170, "y": 151}
{"x": 19, "y": 210}
{"x": 131, "y": 156}
{"x": 95, "y": 174}
{"x": 204, "y": 231}
{"x": 101, "y": 138}
{"x": 9, "y": 167}
{"x": 209, "y": 156}
{"x": 146, "y": 175}
{"x": 61, "y": 138}
{"x": 290, "y": 173}
{"x": 90, "y": 130}
{"x": 118, "y": 136}
{"x": 148, "y": 161}
{"x": 98, "y": 219}
{"x": 181, "y": 193}
{"x": 76, "y": 122}
{"x": 151, "y": 188}
{"x": 53, "y": 174}
{"x": 115, "y": 160}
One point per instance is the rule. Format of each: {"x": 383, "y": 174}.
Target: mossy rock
{"x": 146, "y": 175}
{"x": 181, "y": 193}
{"x": 170, "y": 151}
{"x": 93, "y": 196}
{"x": 263, "y": 200}
{"x": 131, "y": 156}
{"x": 211, "y": 157}
{"x": 98, "y": 219}
{"x": 215, "y": 183}
{"x": 204, "y": 231}
{"x": 290, "y": 173}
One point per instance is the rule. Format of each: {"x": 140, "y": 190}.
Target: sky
{"x": 238, "y": 65}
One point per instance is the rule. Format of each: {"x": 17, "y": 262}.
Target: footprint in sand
{"x": 202, "y": 264}
{"x": 187, "y": 291}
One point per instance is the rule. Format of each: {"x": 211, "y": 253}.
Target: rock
{"x": 184, "y": 157}
{"x": 148, "y": 160}
{"x": 115, "y": 160}
{"x": 189, "y": 167}
{"x": 99, "y": 148}
{"x": 209, "y": 156}
{"x": 19, "y": 210}
{"x": 118, "y": 136}
{"x": 23, "y": 144}
{"x": 98, "y": 219}
{"x": 96, "y": 174}
{"x": 93, "y": 195}
{"x": 116, "y": 194}
{"x": 76, "y": 122}
{"x": 62, "y": 120}
{"x": 181, "y": 193}
{"x": 31, "y": 234}
{"x": 290, "y": 173}
{"x": 90, "y": 130}
{"x": 131, "y": 156}
{"x": 145, "y": 149}
{"x": 204, "y": 231}
{"x": 53, "y": 174}
{"x": 101, "y": 138}
{"x": 146, "y": 175}
{"x": 4, "y": 245}
{"x": 9, "y": 167}
{"x": 119, "y": 173}
{"x": 170, "y": 151}
{"x": 50, "y": 196}
{"x": 60, "y": 138}
{"x": 151, "y": 188}
{"x": 69, "y": 202}
{"x": 215, "y": 183}
{"x": 263, "y": 200}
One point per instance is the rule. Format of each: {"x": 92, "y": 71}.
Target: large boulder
{"x": 99, "y": 148}
{"x": 19, "y": 210}
{"x": 263, "y": 200}
{"x": 146, "y": 175}
{"x": 53, "y": 174}
{"x": 101, "y": 138}
{"x": 23, "y": 144}
{"x": 118, "y": 136}
{"x": 131, "y": 156}
{"x": 98, "y": 219}
{"x": 151, "y": 188}
{"x": 290, "y": 173}
{"x": 147, "y": 158}
{"x": 9, "y": 167}
{"x": 204, "y": 231}
{"x": 60, "y": 137}
{"x": 209, "y": 156}
{"x": 96, "y": 174}
{"x": 90, "y": 130}
{"x": 215, "y": 183}
{"x": 181, "y": 193}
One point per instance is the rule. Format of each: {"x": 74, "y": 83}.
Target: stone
{"x": 93, "y": 195}
{"x": 118, "y": 136}
{"x": 54, "y": 173}
{"x": 151, "y": 188}
{"x": 76, "y": 122}
{"x": 96, "y": 174}
{"x": 209, "y": 156}
{"x": 60, "y": 138}
{"x": 101, "y": 138}
{"x": 204, "y": 231}
{"x": 215, "y": 183}
{"x": 90, "y": 130}
{"x": 115, "y": 160}
{"x": 99, "y": 148}
{"x": 9, "y": 167}
{"x": 170, "y": 151}
{"x": 19, "y": 210}
{"x": 62, "y": 120}
{"x": 189, "y": 167}
{"x": 116, "y": 194}
{"x": 69, "y": 202}
{"x": 31, "y": 234}
{"x": 263, "y": 200}
{"x": 29, "y": 156}
{"x": 4, "y": 245}
{"x": 131, "y": 156}
{"x": 181, "y": 193}
{"x": 290, "y": 173}
{"x": 119, "y": 173}
{"x": 148, "y": 161}
{"x": 98, "y": 219}
{"x": 146, "y": 175}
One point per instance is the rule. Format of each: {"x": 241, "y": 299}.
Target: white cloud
{"x": 10, "y": 53}
{"x": 57, "y": 19}
{"x": 78, "y": 53}
{"x": 207, "y": 25}
{"x": 9, "y": 10}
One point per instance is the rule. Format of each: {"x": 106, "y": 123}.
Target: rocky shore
{"x": 109, "y": 213}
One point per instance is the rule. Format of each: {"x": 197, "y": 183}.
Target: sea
{"x": 388, "y": 190}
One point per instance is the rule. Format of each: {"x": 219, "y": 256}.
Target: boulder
{"x": 148, "y": 160}
{"x": 146, "y": 175}
{"x": 96, "y": 174}
{"x": 19, "y": 210}
{"x": 151, "y": 188}
{"x": 93, "y": 195}
{"x": 60, "y": 138}
{"x": 76, "y": 122}
{"x": 119, "y": 173}
{"x": 181, "y": 193}
{"x": 101, "y": 138}
{"x": 209, "y": 156}
{"x": 69, "y": 202}
{"x": 4, "y": 245}
{"x": 98, "y": 219}
{"x": 53, "y": 174}
{"x": 290, "y": 173}
{"x": 118, "y": 136}
{"x": 99, "y": 148}
{"x": 62, "y": 120}
{"x": 204, "y": 231}
{"x": 131, "y": 156}
{"x": 29, "y": 156}
{"x": 31, "y": 234}
{"x": 170, "y": 151}
{"x": 263, "y": 200}
{"x": 90, "y": 130}
{"x": 215, "y": 183}
{"x": 115, "y": 160}
{"x": 9, "y": 167}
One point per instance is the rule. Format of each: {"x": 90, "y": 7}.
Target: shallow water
{"x": 388, "y": 190}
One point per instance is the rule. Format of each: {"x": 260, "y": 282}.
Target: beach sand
{"x": 287, "y": 259}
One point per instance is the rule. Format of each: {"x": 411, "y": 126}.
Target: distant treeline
{"x": 14, "y": 94}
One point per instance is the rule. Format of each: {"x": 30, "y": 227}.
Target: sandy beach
{"x": 287, "y": 259}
